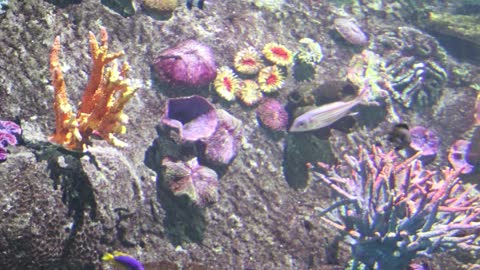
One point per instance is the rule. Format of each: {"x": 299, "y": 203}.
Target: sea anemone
{"x": 249, "y": 92}
{"x": 190, "y": 118}
{"x": 457, "y": 156}
{"x": 226, "y": 83}
{"x": 189, "y": 178}
{"x": 221, "y": 148}
{"x": 424, "y": 140}
{"x": 272, "y": 114}
{"x": 270, "y": 79}
{"x": 278, "y": 54}
{"x": 350, "y": 31}
{"x": 248, "y": 61}
{"x": 188, "y": 64}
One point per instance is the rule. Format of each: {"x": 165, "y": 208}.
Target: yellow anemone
{"x": 249, "y": 92}
{"x": 278, "y": 54}
{"x": 248, "y": 61}
{"x": 270, "y": 79}
{"x": 226, "y": 83}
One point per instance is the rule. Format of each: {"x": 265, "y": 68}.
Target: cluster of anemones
{"x": 249, "y": 62}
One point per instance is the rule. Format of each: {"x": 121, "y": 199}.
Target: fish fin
{"x": 352, "y": 114}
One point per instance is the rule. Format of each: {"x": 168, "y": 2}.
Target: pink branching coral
{"x": 393, "y": 211}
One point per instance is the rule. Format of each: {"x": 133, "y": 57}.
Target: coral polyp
{"x": 226, "y": 83}
{"x": 278, "y": 54}
{"x": 249, "y": 92}
{"x": 270, "y": 79}
{"x": 248, "y": 61}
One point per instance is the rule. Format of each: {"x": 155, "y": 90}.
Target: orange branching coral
{"x": 101, "y": 108}
{"x": 278, "y": 54}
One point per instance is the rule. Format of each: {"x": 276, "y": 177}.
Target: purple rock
{"x": 10, "y": 127}
{"x": 457, "y": 156}
{"x": 222, "y": 146}
{"x": 189, "y": 178}
{"x": 192, "y": 117}
{"x": 3, "y": 153}
{"x": 424, "y": 140}
{"x": 350, "y": 31}
{"x": 189, "y": 64}
{"x": 7, "y": 138}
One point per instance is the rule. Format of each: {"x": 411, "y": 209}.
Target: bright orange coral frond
{"x": 101, "y": 108}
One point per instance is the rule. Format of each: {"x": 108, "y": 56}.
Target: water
{"x": 158, "y": 134}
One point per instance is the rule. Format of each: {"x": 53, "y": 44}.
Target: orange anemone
{"x": 248, "y": 61}
{"x": 278, "y": 54}
{"x": 249, "y": 92}
{"x": 226, "y": 83}
{"x": 270, "y": 79}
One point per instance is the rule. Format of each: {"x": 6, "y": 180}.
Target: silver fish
{"x": 325, "y": 115}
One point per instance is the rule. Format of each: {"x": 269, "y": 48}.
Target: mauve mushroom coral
{"x": 222, "y": 146}
{"x": 424, "y": 140}
{"x": 457, "y": 156}
{"x": 192, "y": 117}
{"x": 188, "y": 64}
{"x": 189, "y": 178}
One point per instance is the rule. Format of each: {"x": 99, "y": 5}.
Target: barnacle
{"x": 249, "y": 92}
{"x": 226, "y": 83}
{"x": 270, "y": 79}
{"x": 278, "y": 54}
{"x": 248, "y": 61}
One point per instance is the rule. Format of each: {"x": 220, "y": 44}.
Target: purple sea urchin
{"x": 272, "y": 114}
{"x": 188, "y": 64}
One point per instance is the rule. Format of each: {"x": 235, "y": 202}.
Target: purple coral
{"x": 350, "y": 31}
{"x": 424, "y": 140}
{"x": 394, "y": 210}
{"x": 222, "y": 146}
{"x": 457, "y": 156}
{"x": 192, "y": 117}
{"x": 188, "y": 64}
{"x": 8, "y": 130}
{"x": 272, "y": 114}
{"x": 189, "y": 178}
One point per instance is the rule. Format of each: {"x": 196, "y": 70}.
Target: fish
{"x": 195, "y": 3}
{"x": 122, "y": 260}
{"x": 400, "y": 136}
{"x": 326, "y": 115}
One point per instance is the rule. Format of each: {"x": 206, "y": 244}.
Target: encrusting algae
{"x": 101, "y": 108}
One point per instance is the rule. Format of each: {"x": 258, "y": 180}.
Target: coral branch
{"x": 394, "y": 211}
{"x": 105, "y": 96}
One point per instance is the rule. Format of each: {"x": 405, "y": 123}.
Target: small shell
{"x": 350, "y": 31}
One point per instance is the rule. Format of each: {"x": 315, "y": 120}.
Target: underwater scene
{"x": 239, "y": 135}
